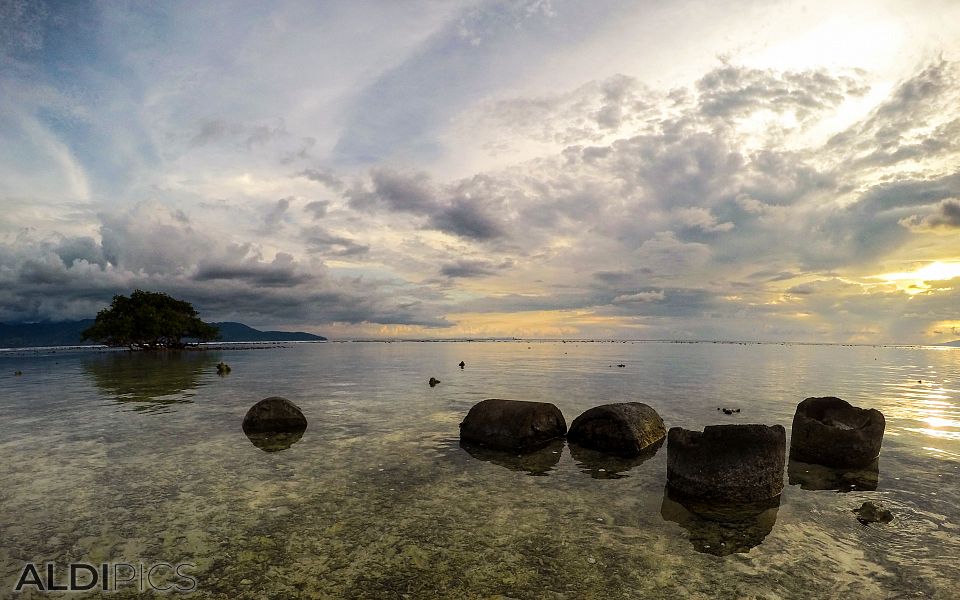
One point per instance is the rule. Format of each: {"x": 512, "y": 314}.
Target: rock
{"x": 433, "y": 381}
{"x": 727, "y": 463}
{"x": 462, "y": 364}
{"x": 871, "y": 513}
{"x": 512, "y": 424}
{"x": 223, "y": 368}
{"x": 829, "y": 431}
{"x": 18, "y": 373}
{"x": 274, "y": 415}
{"x": 624, "y": 429}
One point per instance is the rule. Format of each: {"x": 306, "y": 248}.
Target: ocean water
{"x": 110, "y": 457}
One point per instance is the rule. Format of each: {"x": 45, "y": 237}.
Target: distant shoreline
{"x": 266, "y": 344}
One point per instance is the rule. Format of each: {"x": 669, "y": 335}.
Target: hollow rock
{"x": 830, "y": 431}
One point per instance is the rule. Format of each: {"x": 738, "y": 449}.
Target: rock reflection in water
{"x": 607, "y": 466}
{"x": 721, "y": 529}
{"x": 150, "y": 381}
{"x": 274, "y": 441}
{"x": 818, "y": 477}
{"x": 536, "y": 462}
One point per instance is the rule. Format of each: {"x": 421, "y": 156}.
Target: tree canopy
{"x": 149, "y": 320}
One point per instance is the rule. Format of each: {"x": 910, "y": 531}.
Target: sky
{"x": 739, "y": 169}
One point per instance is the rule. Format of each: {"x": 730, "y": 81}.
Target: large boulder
{"x": 274, "y": 415}
{"x": 727, "y": 463}
{"x": 512, "y": 424}
{"x": 624, "y": 429}
{"x": 830, "y": 431}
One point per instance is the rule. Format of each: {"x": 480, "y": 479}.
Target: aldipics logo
{"x": 107, "y": 577}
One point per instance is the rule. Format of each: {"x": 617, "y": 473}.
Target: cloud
{"x": 283, "y": 271}
{"x": 733, "y": 91}
{"x": 151, "y": 239}
{"x": 274, "y": 215}
{"x": 321, "y": 241}
{"x": 465, "y": 217}
{"x": 324, "y": 176}
{"x": 476, "y": 159}
{"x": 317, "y": 208}
{"x": 468, "y": 268}
{"x": 395, "y": 191}
{"x": 640, "y": 297}
{"x": 946, "y": 216}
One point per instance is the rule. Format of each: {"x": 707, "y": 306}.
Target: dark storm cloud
{"x": 281, "y": 272}
{"x": 62, "y": 279}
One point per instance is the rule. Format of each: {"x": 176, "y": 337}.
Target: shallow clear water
{"x": 141, "y": 459}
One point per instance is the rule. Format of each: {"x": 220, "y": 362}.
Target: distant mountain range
{"x": 954, "y": 343}
{"x": 67, "y": 333}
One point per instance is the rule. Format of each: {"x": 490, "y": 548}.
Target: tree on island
{"x": 148, "y": 321}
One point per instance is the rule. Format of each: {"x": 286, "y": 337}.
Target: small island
{"x": 149, "y": 321}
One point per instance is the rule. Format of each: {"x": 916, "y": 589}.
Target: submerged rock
{"x": 871, "y": 513}
{"x": 274, "y": 441}
{"x": 433, "y": 381}
{"x": 512, "y": 424}
{"x": 830, "y": 431}
{"x": 223, "y": 368}
{"x": 538, "y": 462}
{"x": 727, "y": 463}
{"x": 819, "y": 477}
{"x": 462, "y": 364}
{"x": 274, "y": 415}
{"x": 600, "y": 465}
{"x": 624, "y": 429}
{"x": 721, "y": 528}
